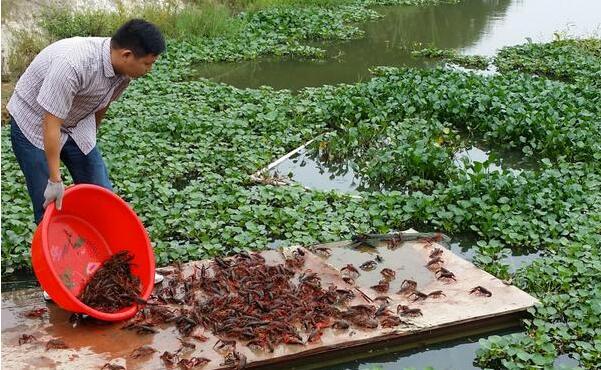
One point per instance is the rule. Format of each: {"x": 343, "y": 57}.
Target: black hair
{"x": 139, "y": 36}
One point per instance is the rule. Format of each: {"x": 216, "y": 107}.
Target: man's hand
{"x": 54, "y": 192}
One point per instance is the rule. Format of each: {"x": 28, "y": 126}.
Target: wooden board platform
{"x": 457, "y": 313}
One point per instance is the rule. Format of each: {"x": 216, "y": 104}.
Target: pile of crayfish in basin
{"x": 113, "y": 286}
{"x": 243, "y": 300}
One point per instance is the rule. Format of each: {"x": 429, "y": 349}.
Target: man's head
{"x": 135, "y": 47}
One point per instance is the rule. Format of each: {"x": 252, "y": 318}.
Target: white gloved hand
{"x": 54, "y": 192}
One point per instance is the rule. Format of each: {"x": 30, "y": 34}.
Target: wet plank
{"x": 92, "y": 344}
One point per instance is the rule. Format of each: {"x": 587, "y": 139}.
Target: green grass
{"x": 26, "y": 46}
{"x": 205, "y": 20}
{"x": 263, "y": 4}
{"x": 62, "y": 23}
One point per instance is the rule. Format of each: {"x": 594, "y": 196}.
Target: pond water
{"x": 18, "y": 280}
{"x": 306, "y": 168}
{"x": 472, "y": 27}
{"x": 452, "y": 355}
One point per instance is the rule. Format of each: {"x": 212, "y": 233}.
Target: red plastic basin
{"x": 69, "y": 245}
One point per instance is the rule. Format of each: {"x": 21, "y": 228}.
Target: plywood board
{"x": 93, "y": 344}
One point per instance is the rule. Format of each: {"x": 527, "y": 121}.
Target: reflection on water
{"x": 454, "y": 355}
{"x": 497, "y": 161}
{"x": 474, "y": 155}
{"x": 473, "y": 27}
{"x": 306, "y": 168}
{"x": 537, "y": 20}
{"x": 458, "y": 354}
{"x": 18, "y": 280}
{"x": 386, "y": 43}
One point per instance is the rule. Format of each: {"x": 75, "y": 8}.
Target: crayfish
{"x": 315, "y": 336}
{"x": 322, "y": 251}
{"x": 193, "y": 362}
{"x": 481, "y": 291}
{"x": 406, "y": 311}
{"x": 35, "y": 313}
{"x": 26, "y": 338}
{"x": 391, "y": 321}
{"x": 340, "y": 324}
{"x": 113, "y": 286}
{"x": 56, "y": 344}
{"x": 436, "y": 294}
{"x": 436, "y": 252}
{"x": 418, "y": 296}
{"x": 365, "y": 322}
{"x": 368, "y": 266}
{"x": 407, "y": 287}
{"x": 388, "y": 274}
{"x": 109, "y": 366}
{"x": 444, "y": 274}
{"x": 382, "y": 310}
{"x": 142, "y": 351}
{"x": 225, "y": 345}
{"x": 383, "y": 298}
{"x": 382, "y": 286}
{"x": 234, "y": 358}
{"x": 350, "y": 270}
{"x": 434, "y": 263}
{"x": 169, "y": 359}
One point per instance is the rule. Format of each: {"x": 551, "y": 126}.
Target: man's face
{"x": 135, "y": 67}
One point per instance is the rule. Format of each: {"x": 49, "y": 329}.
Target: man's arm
{"x": 56, "y": 97}
{"x": 100, "y": 116}
{"x": 52, "y": 133}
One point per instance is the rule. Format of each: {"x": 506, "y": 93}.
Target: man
{"x": 61, "y": 99}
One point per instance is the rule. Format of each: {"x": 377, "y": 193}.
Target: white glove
{"x": 54, "y": 191}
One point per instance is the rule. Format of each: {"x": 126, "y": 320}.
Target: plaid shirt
{"x": 72, "y": 79}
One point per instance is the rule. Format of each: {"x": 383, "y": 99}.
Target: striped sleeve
{"x": 59, "y": 88}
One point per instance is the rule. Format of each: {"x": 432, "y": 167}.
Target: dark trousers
{"x": 84, "y": 169}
